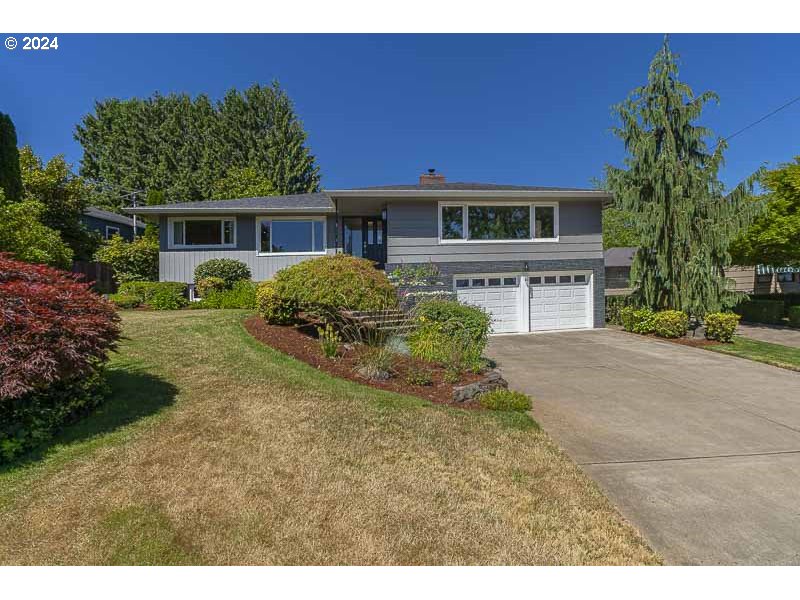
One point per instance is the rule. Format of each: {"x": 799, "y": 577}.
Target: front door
{"x": 365, "y": 237}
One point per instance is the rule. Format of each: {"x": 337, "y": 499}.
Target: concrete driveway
{"x": 701, "y": 451}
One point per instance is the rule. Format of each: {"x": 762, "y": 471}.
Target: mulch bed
{"x": 697, "y": 342}
{"x": 301, "y": 343}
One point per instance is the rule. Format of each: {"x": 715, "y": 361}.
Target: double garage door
{"x": 534, "y": 302}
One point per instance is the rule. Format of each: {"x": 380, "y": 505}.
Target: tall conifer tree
{"x": 684, "y": 219}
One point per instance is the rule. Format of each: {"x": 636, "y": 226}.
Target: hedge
{"x": 614, "y": 305}
{"x": 637, "y": 320}
{"x": 794, "y": 316}
{"x": 159, "y": 295}
{"x": 761, "y": 311}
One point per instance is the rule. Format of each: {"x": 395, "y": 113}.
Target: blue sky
{"x": 522, "y": 109}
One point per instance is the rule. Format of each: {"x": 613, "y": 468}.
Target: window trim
{"x": 117, "y": 230}
{"x": 465, "y": 221}
{"x": 171, "y": 232}
{"x": 322, "y": 219}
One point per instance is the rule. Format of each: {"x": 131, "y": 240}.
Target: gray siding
{"x": 179, "y": 264}
{"x": 413, "y": 236}
{"x": 99, "y": 225}
{"x": 518, "y": 267}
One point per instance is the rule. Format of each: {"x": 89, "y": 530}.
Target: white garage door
{"x": 497, "y": 295}
{"x": 559, "y": 302}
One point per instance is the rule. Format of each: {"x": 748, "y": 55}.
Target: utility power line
{"x": 764, "y": 118}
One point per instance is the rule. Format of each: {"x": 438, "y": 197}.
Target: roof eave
{"x": 178, "y": 210}
{"x": 587, "y": 194}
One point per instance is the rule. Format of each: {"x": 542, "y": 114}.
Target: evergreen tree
{"x": 684, "y": 220}
{"x": 184, "y": 147}
{"x": 10, "y": 178}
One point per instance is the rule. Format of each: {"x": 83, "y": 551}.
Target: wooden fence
{"x": 101, "y": 275}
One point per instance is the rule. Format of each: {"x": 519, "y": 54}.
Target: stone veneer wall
{"x": 596, "y": 265}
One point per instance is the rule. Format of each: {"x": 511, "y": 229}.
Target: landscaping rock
{"x": 372, "y": 374}
{"x": 492, "y": 381}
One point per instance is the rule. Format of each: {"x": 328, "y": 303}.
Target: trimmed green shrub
{"x": 124, "y": 300}
{"x": 456, "y": 319}
{"x": 794, "y": 316}
{"x": 167, "y": 298}
{"x": 29, "y": 420}
{"x": 325, "y": 285}
{"x": 502, "y": 399}
{"x": 145, "y": 290}
{"x": 614, "y": 305}
{"x": 229, "y": 270}
{"x": 721, "y": 326}
{"x": 272, "y": 307}
{"x": 209, "y": 284}
{"x": 761, "y": 311}
{"x": 241, "y": 295}
{"x": 637, "y": 320}
{"x": 670, "y": 323}
{"x": 789, "y": 300}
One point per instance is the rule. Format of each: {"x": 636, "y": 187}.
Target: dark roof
{"x": 316, "y": 201}
{"x": 107, "y": 215}
{"x": 619, "y": 257}
{"x": 464, "y": 185}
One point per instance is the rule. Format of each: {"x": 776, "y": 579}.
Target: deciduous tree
{"x": 774, "y": 237}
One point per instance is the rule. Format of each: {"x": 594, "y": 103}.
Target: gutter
{"x": 426, "y": 194}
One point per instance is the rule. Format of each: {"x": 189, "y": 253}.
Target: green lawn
{"x": 218, "y": 450}
{"x": 772, "y": 354}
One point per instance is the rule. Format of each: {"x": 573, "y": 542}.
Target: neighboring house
{"x": 618, "y": 270}
{"x": 108, "y": 223}
{"x": 760, "y": 279}
{"x": 532, "y": 256}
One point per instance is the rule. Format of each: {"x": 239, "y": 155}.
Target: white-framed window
{"x": 202, "y": 232}
{"x": 497, "y": 222}
{"x": 111, "y": 231}
{"x": 291, "y": 235}
{"x": 785, "y": 277}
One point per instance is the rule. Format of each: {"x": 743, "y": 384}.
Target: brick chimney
{"x": 431, "y": 177}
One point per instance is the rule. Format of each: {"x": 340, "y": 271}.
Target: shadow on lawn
{"x": 134, "y": 396}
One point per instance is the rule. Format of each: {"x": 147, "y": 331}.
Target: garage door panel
{"x": 502, "y": 303}
{"x": 564, "y": 305}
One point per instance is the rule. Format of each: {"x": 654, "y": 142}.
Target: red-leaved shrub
{"x": 52, "y": 327}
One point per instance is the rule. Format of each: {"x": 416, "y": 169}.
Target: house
{"x": 532, "y": 256}
{"x": 760, "y": 279}
{"x": 108, "y": 223}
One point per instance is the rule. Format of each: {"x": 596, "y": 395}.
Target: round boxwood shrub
{"x": 228, "y": 269}
{"x": 502, "y": 399}
{"x": 670, "y": 323}
{"x": 272, "y": 307}
{"x": 637, "y": 320}
{"x": 209, "y": 284}
{"x": 721, "y": 326}
{"x": 323, "y": 286}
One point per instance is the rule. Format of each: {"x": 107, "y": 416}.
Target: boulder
{"x": 493, "y": 380}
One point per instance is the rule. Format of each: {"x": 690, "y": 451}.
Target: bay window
{"x": 498, "y": 222}
{"x": 291, "y": 236}
{"x": 203, "y": 232}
